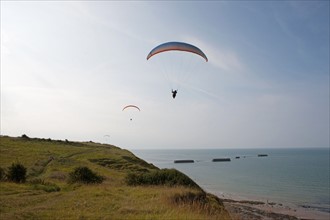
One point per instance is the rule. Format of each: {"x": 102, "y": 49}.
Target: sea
{"x": 292, "y": 176}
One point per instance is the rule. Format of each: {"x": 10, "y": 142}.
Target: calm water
{"x": 295, "y": 176}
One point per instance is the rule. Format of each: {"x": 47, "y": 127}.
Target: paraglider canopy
{"x": 179, "y": 46}
{"x": 131, "y": 106}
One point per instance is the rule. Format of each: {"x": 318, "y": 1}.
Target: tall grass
{"x": 200, "y": 202}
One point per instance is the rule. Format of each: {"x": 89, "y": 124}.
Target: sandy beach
{"x": 248, "y": 209}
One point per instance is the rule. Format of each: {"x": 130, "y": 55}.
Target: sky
{"x": 69, "y": 68}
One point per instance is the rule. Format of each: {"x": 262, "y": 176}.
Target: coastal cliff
{"x": 129, "y": 188}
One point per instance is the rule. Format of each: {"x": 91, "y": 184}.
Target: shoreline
{"x": 249, "y": 205}
{"x": 247, "y": 208}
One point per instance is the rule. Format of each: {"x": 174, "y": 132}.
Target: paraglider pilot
{"x": 174, "y": 93}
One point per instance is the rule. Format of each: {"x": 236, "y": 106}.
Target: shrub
{"x": 170, "y": 177}
{"x": 25, "y": 136}
{"x": 85, "y": 175}
{"x": 16, "y": 173}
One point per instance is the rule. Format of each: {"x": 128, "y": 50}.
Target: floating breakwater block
{"x": 221, "y": 160}
{"x": 184, "y": 161}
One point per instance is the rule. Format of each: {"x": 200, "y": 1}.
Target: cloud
{"x": 225, "y": 60}
{"x": 221, "y": 58}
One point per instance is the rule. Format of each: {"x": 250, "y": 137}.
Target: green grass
{"x": 47, "y": 193}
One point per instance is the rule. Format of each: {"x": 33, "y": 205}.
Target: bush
{"x": 16, "y": 173}
{"x": 25, "y": 136}
{"x": 85, "y": 175}
{"x": 170, "y": 177}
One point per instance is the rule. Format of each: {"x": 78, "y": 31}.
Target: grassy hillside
{"x": 47, "y": 193}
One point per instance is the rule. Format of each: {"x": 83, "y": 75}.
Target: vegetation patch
{"x": 135, "y": 160}
{"x": 40, "y": 184}
{"x": 124, "y": 163}
{"x": 190, "y": 198}
{"x": 199, "y": 201}
{"x": 24, "y": 137}
{"x": 16, "y": 173}
{"x": 168, "y": 177}
{"x": 39, "y": 167}
{"x": 85, "y": 175}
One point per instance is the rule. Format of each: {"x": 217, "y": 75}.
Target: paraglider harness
{"x": 174, "y": 93}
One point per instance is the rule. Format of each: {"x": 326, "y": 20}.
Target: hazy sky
{"x": 69, "y": 68}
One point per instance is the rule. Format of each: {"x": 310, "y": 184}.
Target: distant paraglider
{"x": 131, "y": 106}
{"x": 177, "y": 76}
{"x": 106, "y": 137}
{"x": 128, "y": 107}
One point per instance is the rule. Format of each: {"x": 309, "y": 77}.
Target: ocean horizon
{"x": 294, "y": 176}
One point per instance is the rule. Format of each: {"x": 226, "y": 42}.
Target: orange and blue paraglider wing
{"x": 178, "y": 46}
